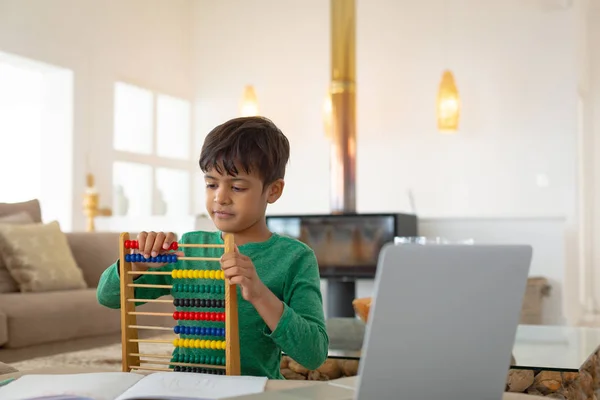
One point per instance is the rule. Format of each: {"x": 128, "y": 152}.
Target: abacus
{"x": 191, "y": 336}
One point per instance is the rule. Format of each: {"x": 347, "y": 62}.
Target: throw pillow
{"x": 39, "y": 258}
{"x": 7, "y": 283}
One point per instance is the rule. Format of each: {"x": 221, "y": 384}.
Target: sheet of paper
{"x": 184, "y": 385}
{"x": 97, "y": 386}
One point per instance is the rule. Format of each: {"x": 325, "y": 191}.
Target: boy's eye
{"x": 238, "y": 189}
{"x": 211, "y": 185}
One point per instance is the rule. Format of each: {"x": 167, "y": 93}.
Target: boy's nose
{"x": 221, "y": 197}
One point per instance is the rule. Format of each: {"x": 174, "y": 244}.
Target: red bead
{"x": 136, "y": 244}
{"x": 176, "y": 315}
{"x": 174, "y": 246}
{"x": 223, "y": 317}
{"x": 127, "y": 244}
{"x": 197, "y": 316}
{"x": 187, "y": 315}
{"x": 202, "y": 316}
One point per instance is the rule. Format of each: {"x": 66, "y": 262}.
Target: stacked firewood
{"x": 331, "y": 369}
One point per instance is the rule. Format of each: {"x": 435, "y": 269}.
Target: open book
{"x": 132, "y": 386}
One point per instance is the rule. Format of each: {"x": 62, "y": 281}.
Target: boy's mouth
{"x": 222, "y": 214}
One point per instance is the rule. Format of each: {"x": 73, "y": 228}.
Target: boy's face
{"x": 237, "y": 203}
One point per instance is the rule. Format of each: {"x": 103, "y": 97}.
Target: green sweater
{"x": 286, "y": 266}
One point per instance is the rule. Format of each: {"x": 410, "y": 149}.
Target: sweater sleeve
{"x": 108, "y": 292}
{"x": 301, "y": 331}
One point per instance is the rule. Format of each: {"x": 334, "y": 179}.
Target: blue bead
{"x": 176, "y": 329}
{"x": 213, "y": 332}
{"x": 173, "y": 258}
{"x": 196, "y": 330}
{"x": 222, "y": 331}
{"x": 127, "y": 258}
{"x": 139, "y": 258}
{"x": 162, "y": 258}
{"x": 203, "y": 331}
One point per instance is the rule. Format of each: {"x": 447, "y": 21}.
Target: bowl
{"x": 362, "y": 307}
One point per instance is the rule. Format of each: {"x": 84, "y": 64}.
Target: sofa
{"x": 31, "y": 317}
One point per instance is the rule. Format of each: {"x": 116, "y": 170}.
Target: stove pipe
{"x": 343, "y": 101}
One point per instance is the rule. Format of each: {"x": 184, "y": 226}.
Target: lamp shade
{"x": 448, "y": 104}
{"x": 249, "y": 102}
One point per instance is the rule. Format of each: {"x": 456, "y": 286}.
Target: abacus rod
{"x": 150, "y": 341}
{"x": 158, "y": 328}
{"x": 138, "y": 367}
{"x": 199, "y": 245}
{"x": 199, "y": 258}
{"x": 147, "y": 285}
{"x": 183, "y": 364}
{"x": 150, "y": 355}
{"x": 156, "y": 314}
{"x": 149, "y": 272}
{"x": 151, "y": 300}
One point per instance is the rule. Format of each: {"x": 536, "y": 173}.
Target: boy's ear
{"x": 275, "y": 191}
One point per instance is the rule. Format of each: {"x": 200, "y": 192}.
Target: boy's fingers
{"x": 158, "y": 243}
{"x": 225, "y": 264}
{"x": 142, "y": 241}
{"x": 149, "y": 244}
{"x": 170, "y": 238}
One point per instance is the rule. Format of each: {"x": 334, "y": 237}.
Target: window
{"x": 20, "y": 132}
{"x": 153, "y": 167}
{"x": 36, "y": 136}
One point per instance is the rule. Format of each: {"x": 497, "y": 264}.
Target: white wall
{"x": 147, "y": 42}
{"x": 514, "y": 63}
{"x": 514, "y": 157}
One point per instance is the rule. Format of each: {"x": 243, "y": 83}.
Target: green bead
{"x": 202, "y": 289}
{"x": 194, "y": 288}
{"x": 186, "y": 288}
{"x": 186, "y": 358}
{"x": 202, "y": 359}
{"x": 196, "y": 359}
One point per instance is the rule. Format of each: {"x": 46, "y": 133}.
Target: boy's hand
{"x": 152, "y": 244}
{"x": 240, "y": 270}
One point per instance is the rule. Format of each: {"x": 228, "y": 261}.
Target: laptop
{"x": 442, "y": 325}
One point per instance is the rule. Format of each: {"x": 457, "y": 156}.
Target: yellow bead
{"x": 179, "y": 274}
{"x": 176, "y": 342}
{"x": 212, "y": 274}
{"x": 213, "y": 344}
{"x": 196, "y": 274}
{"x": 174, "y": 274}
{"x": 186, "y": 343}
{"x": 197, "y": 343}
{"x": 223, "y": 345}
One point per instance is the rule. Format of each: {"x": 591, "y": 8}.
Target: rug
{"x": 108, "y": 357}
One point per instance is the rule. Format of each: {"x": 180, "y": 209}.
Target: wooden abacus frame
{"x": 132, "y": 358}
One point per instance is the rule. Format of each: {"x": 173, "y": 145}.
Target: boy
{"x": 279, "y": 297}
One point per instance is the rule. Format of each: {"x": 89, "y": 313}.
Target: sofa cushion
{"x": 3, "y": 328}
{"x": 38, "y": 257}
{"x": 7, "y": 282}
{"x": 31, "y": 207}
{"x": 35, "y": 318}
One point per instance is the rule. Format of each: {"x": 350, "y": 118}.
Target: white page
{"x": 189, "y": 385}
{"x": 97, "y": 385}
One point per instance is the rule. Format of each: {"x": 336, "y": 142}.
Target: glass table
{"x": 560, "y": 361}
{"x": 554, "y": 348}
